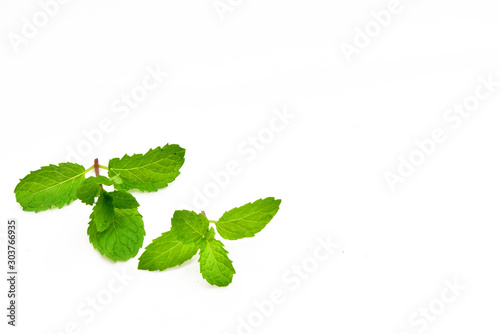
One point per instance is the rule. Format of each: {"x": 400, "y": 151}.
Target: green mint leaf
{"x": 89, "y": 188}
{"x": 246, "y": 221}
{"x": 49, "y": 186}
{"x": 166, "y": 252}
{"x": 123, "y": 238}
{"x": 123, "y": 200}
{"x": 104, "y": 211}
{"x": 149, "y": 172}
{"x": 215, "y": 265}
{"x": 189, "y": 227}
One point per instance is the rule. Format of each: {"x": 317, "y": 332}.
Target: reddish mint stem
{"x": 96, "y": 168}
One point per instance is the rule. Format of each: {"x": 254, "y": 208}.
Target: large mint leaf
{"x": 148, "y": 172}
{"x": 49, "y": 186}
{"x": 122, "y": 239}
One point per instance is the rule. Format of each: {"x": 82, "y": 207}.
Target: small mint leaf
{"x": 166, "y": 252}
{"x": 104, "y": 211}
{"x": 189, "y": 227}
{"x": 89, "y": 189}
{"x": 215, "y": 265}
{"x": 246, "y": 221}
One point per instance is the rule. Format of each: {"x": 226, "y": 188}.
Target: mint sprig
{"x": 116, "y": 228}
{"x": 190, "y": 232}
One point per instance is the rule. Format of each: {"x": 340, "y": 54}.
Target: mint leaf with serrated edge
{"x": 189, "y": 226}
{"x": 166, "y": 252}
{"x": 215, "y": 265}
{"x": 104, "y": 212}
{"x": 53, "y": 185}
{"x": 123, "y": 238}
{"x": 148, "y": 172}
{"x": 247, "y": 220}
{"x": 116, "y": 228}
{"x": 89, "y": 188}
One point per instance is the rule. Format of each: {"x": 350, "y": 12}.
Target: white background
{"x": 226, "y": 76}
